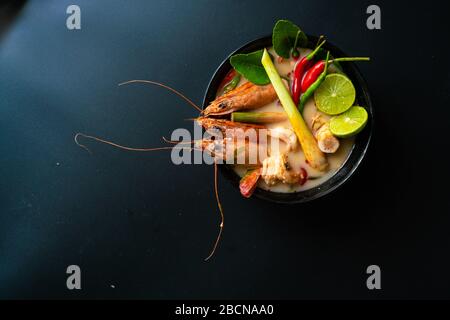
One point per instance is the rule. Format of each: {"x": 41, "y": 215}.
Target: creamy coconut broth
{"x": 296, "y": 157}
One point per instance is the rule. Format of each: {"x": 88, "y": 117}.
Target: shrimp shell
{"x": 245, "y": 97}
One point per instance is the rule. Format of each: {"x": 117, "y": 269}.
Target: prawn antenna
{"x": 219, "y": 205}
{"x": 216, "y": 189}
{"x": 178, "y": 142}
{"x": 79, "y": 144}
{"x": 120, "y": 146}
{"x": 166, "y": 87}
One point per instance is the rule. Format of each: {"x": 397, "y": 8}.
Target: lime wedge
{"x": 349, "y": 123}
{"x": 335, "y": 95}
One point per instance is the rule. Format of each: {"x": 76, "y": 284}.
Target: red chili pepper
{"x": 229, "y": 76}
{"x": 303, "y": 176}
{"x": 299, "y": 70}
{"x": 311, "y": 75}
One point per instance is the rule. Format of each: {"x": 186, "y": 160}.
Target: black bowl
{"x": 361, "y": 142}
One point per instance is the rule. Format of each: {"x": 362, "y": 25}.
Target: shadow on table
{"x": 9, "y": 10}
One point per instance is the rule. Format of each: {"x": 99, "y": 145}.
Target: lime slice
{"x": 335, "y": 95}
{"x": 349, "y": 123}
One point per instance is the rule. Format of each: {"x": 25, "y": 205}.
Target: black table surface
{"x": 139, "y": 226}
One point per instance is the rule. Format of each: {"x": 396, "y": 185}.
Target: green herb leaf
{"x": 284, "y": 35}
{"x": 249, "y": 65}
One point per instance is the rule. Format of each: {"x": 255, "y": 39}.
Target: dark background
{"x": 139, "y": 226}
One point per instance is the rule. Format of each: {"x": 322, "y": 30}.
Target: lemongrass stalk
{"x": 258, "y": 117}
{"x": 313, "y": 155}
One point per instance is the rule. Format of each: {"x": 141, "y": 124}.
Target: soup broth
{"x": 296, "y": 157}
